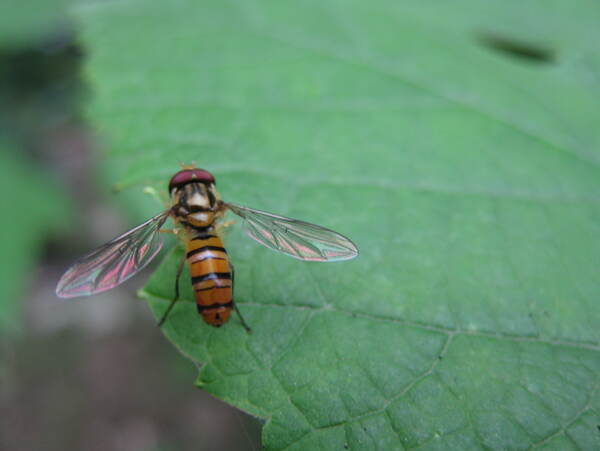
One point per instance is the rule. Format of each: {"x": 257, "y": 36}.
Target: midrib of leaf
{"x": 366, "y": 182}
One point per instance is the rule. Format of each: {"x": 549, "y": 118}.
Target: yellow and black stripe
{"x": 211, "y": 277}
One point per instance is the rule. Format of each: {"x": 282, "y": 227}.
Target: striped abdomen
{"x": 211, "y": 278}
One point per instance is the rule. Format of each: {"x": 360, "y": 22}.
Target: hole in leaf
{"x": 517, "y": 49}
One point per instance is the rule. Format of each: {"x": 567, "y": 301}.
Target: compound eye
{"x": 190, "y": 175}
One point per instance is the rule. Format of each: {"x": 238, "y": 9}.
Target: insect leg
{"x": 234, "y": 305}
{"x": 242, "y": 319}
{"x": 179, "y": 271}
{"x": 224, "y": 225}
{"x": 159, "y": 196}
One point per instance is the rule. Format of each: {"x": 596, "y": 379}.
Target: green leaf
{"x": 34, "y": 208}
{"x": 455, "y": 143}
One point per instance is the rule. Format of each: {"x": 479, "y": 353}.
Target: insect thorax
{"x": 196, "y": 204}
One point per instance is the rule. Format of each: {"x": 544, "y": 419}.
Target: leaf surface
{"x": 466, "y": 172}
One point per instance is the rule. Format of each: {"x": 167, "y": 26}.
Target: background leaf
{"x": 455, "y": 144}
{"x": 38, "y": 96}
{"x": 23, "y": 237}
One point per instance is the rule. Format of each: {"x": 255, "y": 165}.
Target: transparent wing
{"x": 298, "y": 239}
{"x": 114, "y": 262}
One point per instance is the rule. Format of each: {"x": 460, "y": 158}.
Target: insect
{"x": 197, "y": 212}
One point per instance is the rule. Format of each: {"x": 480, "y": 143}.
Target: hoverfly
{"x": 197, "y": 212}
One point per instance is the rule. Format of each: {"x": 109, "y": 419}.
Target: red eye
{"x": 190, "y": 175}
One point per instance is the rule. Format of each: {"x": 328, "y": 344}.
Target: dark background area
{"x": 94, "y": 374}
